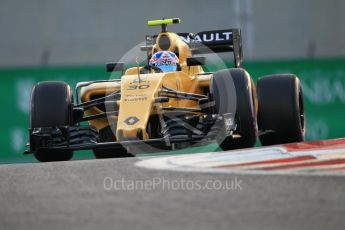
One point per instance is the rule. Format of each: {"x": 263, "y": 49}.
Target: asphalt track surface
{"x": 72, "y": 195}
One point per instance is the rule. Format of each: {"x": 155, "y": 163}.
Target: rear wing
{"x": 217, "y": 41}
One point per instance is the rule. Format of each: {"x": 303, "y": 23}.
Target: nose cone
{"x": 136, "y": 104}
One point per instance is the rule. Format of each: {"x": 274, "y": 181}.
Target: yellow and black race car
{"x": 168, "y": 103}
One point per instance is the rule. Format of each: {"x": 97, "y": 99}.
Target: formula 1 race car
{"x": 168, "y": 103}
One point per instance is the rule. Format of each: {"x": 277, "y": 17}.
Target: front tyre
{"x": 51, "y": 106}
{"x": 233, "y": 92}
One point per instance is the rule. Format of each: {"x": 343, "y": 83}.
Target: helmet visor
{"x": 167, "y": 68}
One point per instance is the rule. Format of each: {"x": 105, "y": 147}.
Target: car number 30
{"x": 134, "y": 87}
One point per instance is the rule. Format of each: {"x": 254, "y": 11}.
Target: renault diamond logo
{"x": 131, "y": 120}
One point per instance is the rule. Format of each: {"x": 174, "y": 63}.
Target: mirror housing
{"x": 115, "y": 66}
{"x": 194, "y": 61}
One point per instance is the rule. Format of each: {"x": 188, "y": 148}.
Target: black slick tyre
{"x": 51, "y": 106}
{"x": 281, "y": 115}
{"x": 232, "y": 91}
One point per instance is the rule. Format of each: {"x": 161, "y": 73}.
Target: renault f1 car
{"x": 166, "y": 110}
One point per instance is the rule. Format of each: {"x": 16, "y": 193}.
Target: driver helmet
{"x": 166, "y": 61}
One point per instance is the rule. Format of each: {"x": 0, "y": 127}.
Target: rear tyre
{"x": 106, "y": 135}
{"x": 51, "y": 106}
{"x": 232, "y": 90}
{"x": 281, "y": 115}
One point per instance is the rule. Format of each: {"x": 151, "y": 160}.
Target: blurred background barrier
{"x": 65, "y": 32}
{"x": 323, "y": 83}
